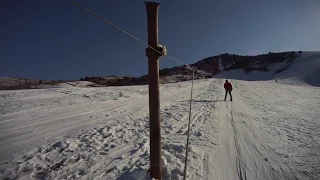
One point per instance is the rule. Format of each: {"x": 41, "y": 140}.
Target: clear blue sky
{"x": 57, "y": 40}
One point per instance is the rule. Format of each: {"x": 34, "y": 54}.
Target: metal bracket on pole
{"x": 161, "y": 50}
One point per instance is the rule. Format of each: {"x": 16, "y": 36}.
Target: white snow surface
{"x": 269, "y": 131}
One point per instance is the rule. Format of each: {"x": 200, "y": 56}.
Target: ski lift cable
{"x": 187, "y": 66}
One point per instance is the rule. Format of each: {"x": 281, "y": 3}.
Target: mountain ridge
{"x": 215, "y": 66}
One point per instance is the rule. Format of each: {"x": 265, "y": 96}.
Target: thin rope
{"x": 187, "y": 65}
{"x": 127, "y": 33}
{"x": 108, "y": 22}
{"x": 188, "y": 134}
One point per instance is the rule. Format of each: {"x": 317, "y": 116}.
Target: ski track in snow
{"x": 103, "y": 133}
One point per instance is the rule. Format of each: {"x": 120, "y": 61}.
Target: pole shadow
{"x": 207, "y": 101}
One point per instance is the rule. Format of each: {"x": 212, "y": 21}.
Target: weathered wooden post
{"x": 154, "y": 100}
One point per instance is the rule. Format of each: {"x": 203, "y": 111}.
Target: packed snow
{"x": 271, "y": 130}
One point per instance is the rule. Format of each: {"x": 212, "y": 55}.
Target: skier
{"x": 228, "y": 88}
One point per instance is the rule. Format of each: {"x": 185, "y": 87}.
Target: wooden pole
{"x": 154, "y": 100}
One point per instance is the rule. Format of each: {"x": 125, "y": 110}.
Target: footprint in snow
{"x": 199, "y": 134}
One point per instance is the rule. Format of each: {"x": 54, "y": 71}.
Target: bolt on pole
{"x": 154, "y": 100}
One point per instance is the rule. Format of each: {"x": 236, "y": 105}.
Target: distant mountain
{"x": 212, "y": 65}
{"x": 24, "y": 83}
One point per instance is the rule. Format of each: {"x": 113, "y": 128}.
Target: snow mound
{"x": 81, "y": 83}
{"x": 58, "y": 85}
{"x": 68, "y": 85}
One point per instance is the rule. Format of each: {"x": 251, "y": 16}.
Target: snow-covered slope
{"x": 270, "y": 131}
{"x": 304, "y": 69}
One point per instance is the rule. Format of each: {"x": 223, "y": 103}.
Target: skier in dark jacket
{"x": 228, "y": 88}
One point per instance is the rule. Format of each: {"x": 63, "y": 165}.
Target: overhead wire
{"x": 187, "y": 66}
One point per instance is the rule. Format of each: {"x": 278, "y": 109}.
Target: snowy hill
{"x": 303, "y": 69}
